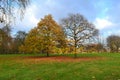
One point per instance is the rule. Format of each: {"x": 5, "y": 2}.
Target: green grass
{"x": 16, "y": 67}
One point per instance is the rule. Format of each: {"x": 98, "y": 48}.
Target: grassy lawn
{"x": 85, "y": 67}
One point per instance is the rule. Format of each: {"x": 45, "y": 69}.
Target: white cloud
{"x": 34, "y": 13}
{"x": 116, "y": 32}
{"x": 103, "y": 23}
{"x": 30, "y": 20}
{"x": 30, "y": 15}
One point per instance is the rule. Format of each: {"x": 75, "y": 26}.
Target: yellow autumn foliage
{"x": 44, "y": 38}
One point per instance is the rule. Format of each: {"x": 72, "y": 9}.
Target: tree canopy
{"x": 5, "y": 41}
{"x": 78, "y": 29}
{"x": 113, "y": 42}
{"x": 45, "y": 37}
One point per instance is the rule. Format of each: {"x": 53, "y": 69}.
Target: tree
{"x": 45, "y": 37}
{"x": 100, "y": 45}
{"x": 8, "y": 9}
{"x": 5, "y": 40}
{"x": 113, "y": 42}
{"x": 96, "y": 47}
{"x": 78, "y": 29}
{"x": 20, "y": 36}
{"x": 19, "y": 40}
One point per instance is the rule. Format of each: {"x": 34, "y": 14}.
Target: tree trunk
{"x": 117, "y": 49}
{"x": 75, "y": 46}
{"x": 75, "y": 54}
{"x": 47, "y": 54}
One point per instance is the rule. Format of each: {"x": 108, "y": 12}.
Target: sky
{"x": 104, "y": 14}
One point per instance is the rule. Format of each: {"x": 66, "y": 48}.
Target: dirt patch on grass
{"x": 64, "y": 59}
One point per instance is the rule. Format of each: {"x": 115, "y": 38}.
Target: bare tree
{"x": 113, "y": 42}
{"x": 78, "y": 30}
{"x": 19, "y": 40}
{"x": 8, "y": 8}
{"x": 100, "y": 45}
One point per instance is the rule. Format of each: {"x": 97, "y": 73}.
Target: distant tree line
{"x": 9, "y": 44}
{"x": 74, "y": 34}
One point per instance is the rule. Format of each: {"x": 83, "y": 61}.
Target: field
{"x": 60, "y": 67}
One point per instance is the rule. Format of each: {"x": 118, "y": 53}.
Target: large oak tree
{"x": 78, "y": 29}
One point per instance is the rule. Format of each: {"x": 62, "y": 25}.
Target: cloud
{"x": 110, "y": 32}
{"x": 103, "y": 23}
{"x": 94, "y": 11}
{"x": 30, "y": 20}
{"x": 31, "y": 15}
